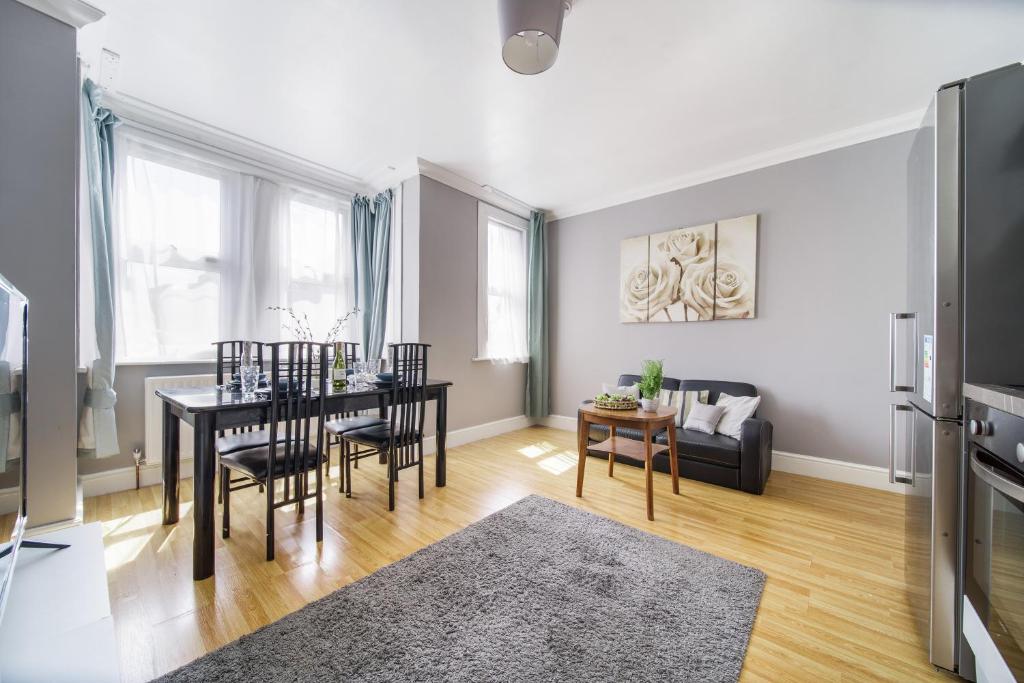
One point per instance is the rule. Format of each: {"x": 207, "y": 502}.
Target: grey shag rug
{"x": 539, "y": 591}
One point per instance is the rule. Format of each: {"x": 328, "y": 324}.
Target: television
{"x": 13, "y": 426}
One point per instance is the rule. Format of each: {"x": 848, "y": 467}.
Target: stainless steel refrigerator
{"x": 963, "y": 321}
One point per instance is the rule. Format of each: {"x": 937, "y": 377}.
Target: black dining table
{"x": 210, "y": 410}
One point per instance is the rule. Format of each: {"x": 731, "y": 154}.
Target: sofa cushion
{"x": 713, "y": 448}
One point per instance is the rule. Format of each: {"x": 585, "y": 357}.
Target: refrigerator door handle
{"x": 894, "y": 319}
{"x": 894, "y": 410}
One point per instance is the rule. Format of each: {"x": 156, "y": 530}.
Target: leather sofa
{"x": 743, "y": 463}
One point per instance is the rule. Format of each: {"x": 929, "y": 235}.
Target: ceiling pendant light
{"x": 531, "y": 31}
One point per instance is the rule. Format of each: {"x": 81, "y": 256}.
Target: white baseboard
{"x": 123, "y": 478}
{"x": 795, "y": 463}
{"x": 460, "y": 437}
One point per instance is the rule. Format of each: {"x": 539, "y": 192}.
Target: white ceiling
{"x": 645, "y": 93}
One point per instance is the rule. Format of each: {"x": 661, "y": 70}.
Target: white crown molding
{"x": 800, "y": 150}
{"x": 153, "y": 118}
{"x": 72, "y": 12}
{"x": 485, "y": 193}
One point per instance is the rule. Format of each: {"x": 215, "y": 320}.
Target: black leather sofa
{"x": 742, "y": 464}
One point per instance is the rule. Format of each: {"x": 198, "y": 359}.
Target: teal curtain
{"x": 537, "y": 394}
{"x": 371, "y": 246}
{"x": 97, "y": 427}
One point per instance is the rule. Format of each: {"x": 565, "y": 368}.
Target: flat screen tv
{"x": 13, "y": 404}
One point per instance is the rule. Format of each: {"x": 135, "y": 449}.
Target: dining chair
{"x": 340, "y": 423}
{"x": 400, "y": 439}
{"x": 295, "y": 446}
{"x": 229, "y": 363}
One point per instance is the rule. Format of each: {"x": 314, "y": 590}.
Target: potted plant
{"x": 650, "y": 384}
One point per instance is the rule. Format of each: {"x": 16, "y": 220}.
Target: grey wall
{"x": 38, "y": 151}
{"x": 832, "y": 255}
{"x": 482, "y": 392}
{"x": 129, "y": 383}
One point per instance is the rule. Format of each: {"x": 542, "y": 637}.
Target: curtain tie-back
{"x": 10, "y": 404}
{"x": 96, "y": 397}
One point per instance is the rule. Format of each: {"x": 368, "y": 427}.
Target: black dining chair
{"x": 229, "y": 363}
{"x": 294, "y": 450}
{"x": 340, "y": 423}
{"x": 400, "y": 439}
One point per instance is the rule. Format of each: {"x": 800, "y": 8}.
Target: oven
{"x": 993, "y": 579}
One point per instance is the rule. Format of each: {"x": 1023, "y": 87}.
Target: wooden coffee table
{"x": 649, "y": 423}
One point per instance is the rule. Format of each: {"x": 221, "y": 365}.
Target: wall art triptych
{"x": 706, "y": 272}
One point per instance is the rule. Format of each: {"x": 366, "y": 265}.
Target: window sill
{"x": 494, "y": 361}
{"x": 194, "y": 361}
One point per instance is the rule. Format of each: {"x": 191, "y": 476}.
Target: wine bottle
{"x": 338, "y": 379}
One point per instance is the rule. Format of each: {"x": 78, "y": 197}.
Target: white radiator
{"x": 154, "y": 415}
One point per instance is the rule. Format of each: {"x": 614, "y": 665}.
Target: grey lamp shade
{"x": 531, "y": 31}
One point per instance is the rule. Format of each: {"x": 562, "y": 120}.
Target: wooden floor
{"x": 834, "y": 606}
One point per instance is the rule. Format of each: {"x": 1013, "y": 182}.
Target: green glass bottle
{"x": 338, "y": 379}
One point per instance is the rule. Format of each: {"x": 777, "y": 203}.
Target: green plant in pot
{"x": 650, "y": 384}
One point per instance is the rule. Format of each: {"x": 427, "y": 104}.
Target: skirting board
{"x": 795, "y": 463}
{"x": 123, "y": 479}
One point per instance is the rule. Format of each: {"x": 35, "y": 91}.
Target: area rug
{"x": 538, "y": 591}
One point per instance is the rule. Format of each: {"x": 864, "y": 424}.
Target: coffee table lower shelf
{"x": 627, "y": 448}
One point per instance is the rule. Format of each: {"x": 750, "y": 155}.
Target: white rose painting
{"x": 675, "y": 255}
{"x": 736, "y": 268}
{"x": 634, "y": 285}
{"x": 707, "y": 272}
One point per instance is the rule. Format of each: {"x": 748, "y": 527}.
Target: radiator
{"x": 154, "y": 415}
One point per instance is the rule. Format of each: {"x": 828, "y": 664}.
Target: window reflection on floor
{"x": 125, "y": 537}
{"x": 552, "y": 460}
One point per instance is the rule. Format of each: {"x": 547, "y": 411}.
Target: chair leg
{"x": 270, "y": 520}
{"x": 420, "y": 449}
{"x": 220, "y": 491}
{"x": 348, "y": 470}
{"x": 319, "y": 507}
{"x": 392, "y": 478}
{"x": 225, "y": 493}
{"x": 300, "y": 509}
{"x": 342, "y": 463}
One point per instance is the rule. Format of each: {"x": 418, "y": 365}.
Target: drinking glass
{"x": 372, "y": 370}
{"x": 250, "y": 376}
{"x": 359, "y": 371}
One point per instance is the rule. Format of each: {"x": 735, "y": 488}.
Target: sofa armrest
{"x": 755, "y": 454}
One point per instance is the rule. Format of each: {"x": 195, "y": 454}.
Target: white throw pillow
{"x": 690, "y": 398}
{"x": 737, "y": 409}
{"x": 633, "y": 391}
{"x": 703, "y": 417}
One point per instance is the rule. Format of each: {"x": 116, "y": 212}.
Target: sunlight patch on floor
{"x": 535, "y": 450}
{"x": 559, "y": 463}
{"x": 125, "y": 537}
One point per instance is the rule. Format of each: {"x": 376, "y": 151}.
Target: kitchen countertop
{"x": 1006, "y": 399}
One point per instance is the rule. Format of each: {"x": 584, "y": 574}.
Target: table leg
{"x": 581, "y": 439}
{"x": 170, "y": 463}
{"x": 203, "y": 498}
{"x": 611, "y": 456}
{"x": 673, "y": 459}
{"x": 441, "y": 463}
{"x": 648, "y": 472}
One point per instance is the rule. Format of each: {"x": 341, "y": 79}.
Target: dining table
{"x": 210, "y": 410}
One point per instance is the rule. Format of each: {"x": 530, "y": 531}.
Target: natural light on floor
{"x": 125, "y": 537}
{"x": 555, "y": 462}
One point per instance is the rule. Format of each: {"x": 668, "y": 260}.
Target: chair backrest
{"x": 715, "y": 388}
{"x": 298, "y": 378}
{"x": 229, "y": 358}
{"x": 666, "y": 382}
{"x": 408, "y": 399}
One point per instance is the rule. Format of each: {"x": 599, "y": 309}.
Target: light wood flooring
{"x": 834, "y": 606}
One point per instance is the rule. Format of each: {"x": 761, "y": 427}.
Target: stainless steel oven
{"x": 993, "y": 606}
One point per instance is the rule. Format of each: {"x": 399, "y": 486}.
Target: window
{"x": 501, "y": 286}
{"x": 317, "y": 250}
{"x": 203, "y": 248}
{"x": 169, "y": 258}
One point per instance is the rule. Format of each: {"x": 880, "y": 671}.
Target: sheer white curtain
{"x": 506, "y": 293}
